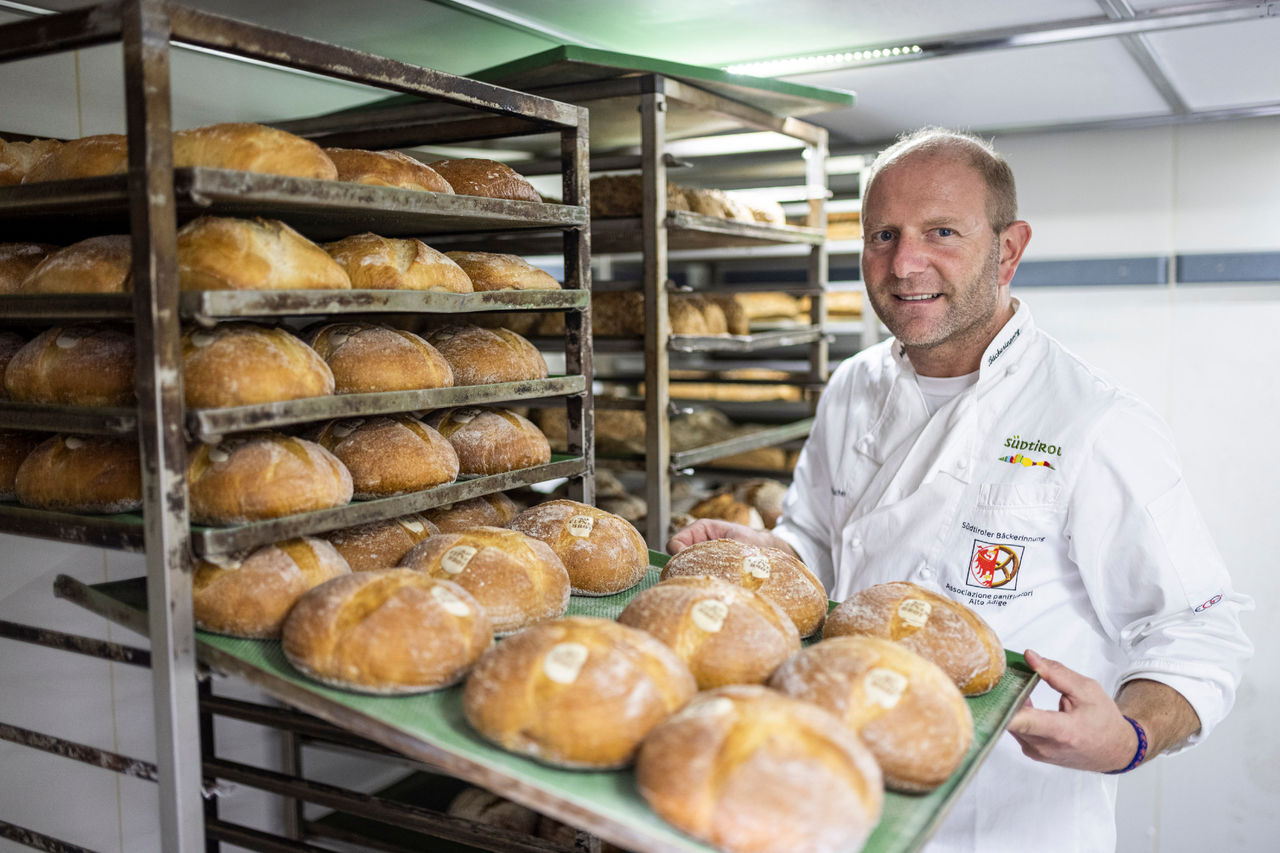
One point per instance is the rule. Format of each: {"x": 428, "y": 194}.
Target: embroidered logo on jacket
{"x": 994, "y": 566}
{"x": 1016, "y": 442}
{"x": 1019, "y": 459}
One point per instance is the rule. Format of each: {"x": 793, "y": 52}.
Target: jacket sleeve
{"x": 1156, "y": 581}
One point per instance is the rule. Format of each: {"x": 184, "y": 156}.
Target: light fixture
{"x": 790, "y": 65}
{"x": 732, "y": 143}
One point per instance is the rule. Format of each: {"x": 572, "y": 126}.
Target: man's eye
{"x": 946, "y": 232}
{"x": 881, "y": 236}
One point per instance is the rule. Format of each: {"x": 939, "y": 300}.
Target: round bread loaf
{"x": 17, "y": 260}
{"x": 10, "y": 343}
{"x": 389, "y": 632}
{"x": 517, "y": 579}
{"x": 729, "y": 508}
{"x": 222, "y": 253}
{"x": 602, "y": 552}
{"x": 15, "y": 446}
{"x": 768, "y": 571}
{"x": 385, "y": 263}
{"x": 96, "y": 265}
{"x": 256, "y": 476}
{"x": 386, "y": 169}
{"x": 489, "y": 178}
{"x": 579, "y": 692}
{"x": 933, "y": 626}
{"x": 765, "y": 496}
{"x": 726, "y": 634}
{"x": 74, "y": 473}
{"x": 491, "y": 441}
{"x": 19, "y": 158}
{"x": 492, "y": 510}
{"x": 242, "y": 364}
{"x": 905, "y": 708}
{"x": 623, "y": 195}
{"x": 380, "y": 544}
{"x": 250, "y": 147}
{"x": 251, "y": 597}
{"x": 481, "y": 806}
{"x": 482, "y": 356}
{"x": 83, "y": 365}
{"x": 86, "y": 157}
{"x": 366, "y": 358}
{"x": 390, "y": 455}
{"x": 495, "y": 271}
{"x": 748, "y": 769}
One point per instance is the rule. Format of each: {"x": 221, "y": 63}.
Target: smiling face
{"x": 936, "y": 272}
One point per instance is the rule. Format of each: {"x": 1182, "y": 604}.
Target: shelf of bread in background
{"x": 330, "y": 394}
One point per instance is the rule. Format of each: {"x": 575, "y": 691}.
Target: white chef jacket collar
{"x": 1006, "y": 349}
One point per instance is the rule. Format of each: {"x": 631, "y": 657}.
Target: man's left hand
{"x": 1087, "y": 732}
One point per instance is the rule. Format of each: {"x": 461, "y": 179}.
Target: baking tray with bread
{"x": 617, "y": 803}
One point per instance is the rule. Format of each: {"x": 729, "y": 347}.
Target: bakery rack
{"x": 149, "y": 203}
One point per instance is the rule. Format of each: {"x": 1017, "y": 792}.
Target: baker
{"x": 971, "y": 453}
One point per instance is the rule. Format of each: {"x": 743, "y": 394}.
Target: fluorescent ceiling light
{"x": 820, "y": 61}
{"x": 732, "y": 143}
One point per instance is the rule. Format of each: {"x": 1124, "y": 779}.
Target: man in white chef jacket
{"x": 973, "y": 455}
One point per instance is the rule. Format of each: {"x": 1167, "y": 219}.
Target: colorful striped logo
{"x": 1019, "y": 459}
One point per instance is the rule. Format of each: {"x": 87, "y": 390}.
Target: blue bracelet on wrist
{"x": 1141, "y": 752}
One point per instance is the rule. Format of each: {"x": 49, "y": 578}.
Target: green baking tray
{"x": 431, "y": 728}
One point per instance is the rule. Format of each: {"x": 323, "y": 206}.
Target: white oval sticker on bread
{"x": 69, "y": 338}
{"x": 580, "y": 525}
{"x": 73, "y": 442}
{"x": 451, "y": 603}
{"x": 564, "y": 661}
{"x": 412, "y": 525}
{"x": 709, "y": 614}
{"x": 202, "y": 338}
{"x": 456, "y": 558}
{"x": 884, "y": 686}
{"x": 915, "y": 612}
{"x": 757, "y": 565}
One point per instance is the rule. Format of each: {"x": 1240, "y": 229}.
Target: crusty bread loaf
{"x": 73, "y": 473}
{"x": 256, "y": 476}
{"x": 905, "y": 708}
{"x": 17, "y": 260}
{"x": 579, "y": 692}
{"x": 768, "y": 571}
{"x": 481, "y": 806}
{"x": 517, "y": 579}
{"x": 748, "y": 770}
{"x": 491, "y": 441}
{"x": 250, "y": 597}
{"x": 389, "y": 632}
{"x": 386, "y": 169}
{"x": 86, "y": 157}
{"x": 944, "y": 631}
{"x": 242, "y": 364}
{"x": 390, "y": 455}
{"x": 492, "y": 510}
{"x": 222, "y": 253}
{"x": 622, "y": 195}
{"x": 725, "y": 633}
{"x": 765, "y": 305}
{"x": 735, "y": 317}
{"x": 496, "y": 271}
{"x": 81, "y": 365}
{"x": 385, "y": 263}
{"x": 482, "y": 356}
{"x": 96, "y": 265}
{"x": 765, "y": 210}
{"x": 19, "y": 158}
{"x": 15, "y": 446}
{"x": 764, "y": 495}
{"x": 725, "y": 506}
{"x": 366, "y": 358}
{"x": 250, "y": 147}
{"x": 380, "y": 544}
{"x": 10, "y": 343}
{"x": 477, "y": 176}
{"x": 603, "y": 552}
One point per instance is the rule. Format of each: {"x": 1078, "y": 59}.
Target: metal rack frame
{"x": 151, "y": 198}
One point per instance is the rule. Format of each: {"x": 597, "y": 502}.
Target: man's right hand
{"x": 706, "y": 529}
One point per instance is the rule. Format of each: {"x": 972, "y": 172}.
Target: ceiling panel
{"x": 1080, "y": 81}
{"x": 1224, "y": 65}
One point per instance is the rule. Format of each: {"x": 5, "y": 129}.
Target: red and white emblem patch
{"x": 994, "y": 566}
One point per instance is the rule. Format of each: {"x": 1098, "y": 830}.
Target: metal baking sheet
{"x": 431, "y": 727}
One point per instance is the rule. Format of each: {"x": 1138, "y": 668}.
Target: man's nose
{"x": 909, "y": 256}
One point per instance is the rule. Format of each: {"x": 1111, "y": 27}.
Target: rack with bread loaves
{"x": 235, "y": 225}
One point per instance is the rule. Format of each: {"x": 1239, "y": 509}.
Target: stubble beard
{"x": 970, "y": 312}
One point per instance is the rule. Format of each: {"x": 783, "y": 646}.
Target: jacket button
{"x": 855, "y": 543}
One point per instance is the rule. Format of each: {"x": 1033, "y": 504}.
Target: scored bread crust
{"x": 580, "y": 692}
{"x": 86, "y": 157}
{"x": 380, "y": 544}
{"x": 746, "y": 768}
{"x": 767, "y": 571}
{"x": 945, "y": 631}
{"x": 386, "y": 169}
{"x": 481, "y": 356}
{"x": 225, "y": 253}
{"x": 388, "y": 263}
{"x": 19, "y": 158}
{"x": 489, "y": 178}
{"x": 77, "y": 365}
{"x": 74, "y": 473}
{"x": 725, "y": 633}
{"x": 603, "y": 553}
{"x": 496, "y": 271}
{"x": 904, "y": 707}
{"x": 366, "y": 358}
{"x": 390, "y": 455}
{"x": 491, "y": 510}
{"x": 96, "y": 265}
{"x": 251, "y": 597}
{"x": 248, "y": 147}
{"x": 518, "y": 579}
{"x": 17, "y": 260}
{"x": 491, "y": 441}
{"x": 15, "y": 446}
{"x": 242, "y": 364}
{"x": 388, "y": 632}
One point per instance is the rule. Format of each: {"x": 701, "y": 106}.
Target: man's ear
{"x": 1013, "y": 242}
